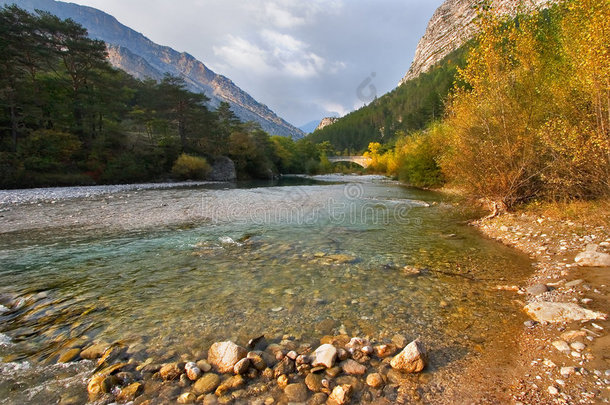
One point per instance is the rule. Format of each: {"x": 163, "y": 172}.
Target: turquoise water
{"x": 303, "y": 260}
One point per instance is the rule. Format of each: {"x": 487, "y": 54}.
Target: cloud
{"x": 275, "y": 53}
{"x": 282, "y": 18}
{"x": 334, "y": 107}
{"x": 241, "y": 53}
{"x": 289, "y": 14}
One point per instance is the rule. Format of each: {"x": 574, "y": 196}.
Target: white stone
{"x": 412, "y": 359}
{"x": 341, "y": 394}
{"x": 192, "y": 371}
{"x": 224, "y": 355}
{"x": 554, "y": 312}
{"x": 561, "y": 345}
{"x": 591, "y": 258}
{"x": 567, "y": 371}
{"x": 324, "y": 355}
{"x": 578, "y": 346}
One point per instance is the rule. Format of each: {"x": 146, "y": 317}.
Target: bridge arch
{"x": 359, "y": 160}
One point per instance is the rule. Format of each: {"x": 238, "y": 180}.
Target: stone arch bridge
{"x": 359, "y": 160}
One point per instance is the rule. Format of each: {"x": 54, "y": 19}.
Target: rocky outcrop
{"x": 452, "y": 25}
{"x": 223, "y": 169}
{"x": 326, "y": 122}
{"x": 140, "y": 57}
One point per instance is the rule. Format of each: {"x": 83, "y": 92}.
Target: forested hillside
{"x": 529, "y": 116}
{"x": 409, "y": 107}
{"x": 68, "y": 117}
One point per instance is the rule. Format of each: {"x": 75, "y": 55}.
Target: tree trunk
{"x": 14, "y": 127}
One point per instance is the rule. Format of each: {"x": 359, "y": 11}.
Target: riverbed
{"x": 170, "y": 270}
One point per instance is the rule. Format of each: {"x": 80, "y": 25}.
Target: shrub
{"x": 417, "y": 157}
{"x": 189, "y": 167}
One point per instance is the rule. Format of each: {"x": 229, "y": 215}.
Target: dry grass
{"x": 596, "y": 212}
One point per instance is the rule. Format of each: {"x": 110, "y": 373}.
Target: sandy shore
{"x": 544, "y": 374}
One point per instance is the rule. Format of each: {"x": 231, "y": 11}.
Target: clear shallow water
{"x": 304, "y": 260}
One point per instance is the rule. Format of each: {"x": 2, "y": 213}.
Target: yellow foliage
{"x": 532, "y": 119}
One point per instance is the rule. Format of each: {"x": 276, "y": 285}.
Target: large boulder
{"x": 555, "y": 312}
{"x": 223, "y": 169}
{"x": 223, "y": 356}
{"x": 412, "y": 359}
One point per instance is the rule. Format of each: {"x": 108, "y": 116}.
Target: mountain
{"x": 326, "y": 122}
{"x": 142, "y": 58}
{"x": 310, "y": 126}
{"x": 452, "y": 25}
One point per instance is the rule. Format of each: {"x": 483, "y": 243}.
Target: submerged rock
{"x": 192, "y": 371}
{"x": 341, "y": 395}
{"x": 554, "y": 312}
{"x": 94, "y": 351}
{"x": 224, "y": 355}
{"x": 383, "y": 351}
{"x": 412, "y": 359}
{"x": 352, "y": 367}
{"x": 324, "y": 355}
{"x": 130, "y": 393}
{"x": 187, "y": 398}
{"x": 206, "y": 384}
{"x": 229, "y": 384}
{"x": 296, "y": 392}
{"x": 314, "y": 382}
{"x": 170, "y": 371}
{"x": 257, "y": 361}
{"x": 242, "y": 366}
{"x": 286, "y": 366}
{"x": 69, "y": 355}
{"x": 374, "y": 380}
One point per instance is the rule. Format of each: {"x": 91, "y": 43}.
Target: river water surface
{"x": 170, "y": 271}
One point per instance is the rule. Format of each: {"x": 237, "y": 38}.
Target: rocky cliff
{"x": 452, "y": 25}
{"x": 326, "y": 122}
{"x": 142, "y": 58}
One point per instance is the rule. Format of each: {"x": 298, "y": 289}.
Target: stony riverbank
{"x": 560, "y": 360}
{"x": 339, "y": 371}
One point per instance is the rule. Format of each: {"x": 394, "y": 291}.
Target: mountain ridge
{"x": 452, "y": 25}
{"x": 131, "y": 51}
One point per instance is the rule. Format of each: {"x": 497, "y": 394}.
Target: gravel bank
{"x": 50, "y": 194}
{"x": 559, "y": 363}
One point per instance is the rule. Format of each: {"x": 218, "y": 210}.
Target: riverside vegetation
{"x": 527, "y": 118}
{"x": 68, "y": 118}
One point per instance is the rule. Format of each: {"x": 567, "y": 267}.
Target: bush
{"x": 189, "y": 167}
{"x": 417, "y": 157}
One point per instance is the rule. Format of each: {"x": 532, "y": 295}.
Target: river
{"x": 170, "y": 270}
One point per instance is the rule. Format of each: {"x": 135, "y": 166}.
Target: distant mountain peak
{"x": 326, "y": 122}
{"x": 134, "y": 53}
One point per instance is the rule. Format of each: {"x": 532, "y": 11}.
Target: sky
{"x": 304, "y": 59}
